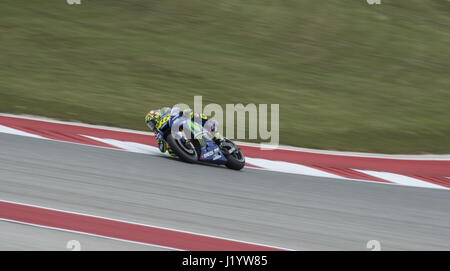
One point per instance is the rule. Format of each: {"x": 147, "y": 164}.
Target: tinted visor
{"x": 151, "y": 124}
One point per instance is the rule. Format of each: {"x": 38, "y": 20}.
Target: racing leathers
{"x": 157, "y": 116}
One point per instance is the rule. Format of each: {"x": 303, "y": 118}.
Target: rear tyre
{"x": 186, "y": 151}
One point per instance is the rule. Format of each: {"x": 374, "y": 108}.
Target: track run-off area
{"x": 113, "y": 189}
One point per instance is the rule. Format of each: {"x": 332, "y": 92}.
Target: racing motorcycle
{"x": 193, "y": 143}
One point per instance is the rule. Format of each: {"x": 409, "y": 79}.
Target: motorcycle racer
{"x": 154, "y": 117}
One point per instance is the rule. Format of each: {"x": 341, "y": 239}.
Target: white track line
{"x": 141, "y": 224}
{"x": 287, "y": 167}
{"x": 7, "y": 130}
{"x": 129, "y": 146}
{"x": 420, "y": 157}
{"x": 89, "y": 234}
{"x": 401, "y": 179}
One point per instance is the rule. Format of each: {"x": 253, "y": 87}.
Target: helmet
{"x": 152, "y": 118}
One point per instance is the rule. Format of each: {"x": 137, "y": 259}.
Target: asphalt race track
{"x": 279, "y": 209}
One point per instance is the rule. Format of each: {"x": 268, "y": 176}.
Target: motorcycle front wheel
{"x": 236, "y": 160}
{"x": 185, "y": 151}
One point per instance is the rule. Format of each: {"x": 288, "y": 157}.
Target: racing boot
{"x": 163, "y": 147}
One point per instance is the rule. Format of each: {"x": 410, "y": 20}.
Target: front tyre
{"x": 236, "y": 160}
{"x": 186, "y": 151}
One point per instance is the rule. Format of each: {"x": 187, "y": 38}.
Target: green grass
{"x": 347, "y": 75}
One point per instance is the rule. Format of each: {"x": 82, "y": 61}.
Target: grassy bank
{"x": 347, "y": 75}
